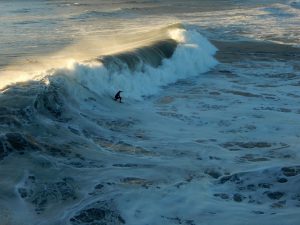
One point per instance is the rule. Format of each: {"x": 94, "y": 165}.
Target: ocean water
{"x": 208, "y": 130}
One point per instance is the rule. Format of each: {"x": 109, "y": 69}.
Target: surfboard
{"x": 116, "y": 100}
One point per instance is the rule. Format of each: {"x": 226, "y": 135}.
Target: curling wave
{"x": 143, "y": 70}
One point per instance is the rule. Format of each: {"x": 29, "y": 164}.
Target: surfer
{"x": 118, "y": 96}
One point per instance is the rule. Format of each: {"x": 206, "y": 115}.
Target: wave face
{"x": 141, "y": 71}
{"x": 136, "y": 59}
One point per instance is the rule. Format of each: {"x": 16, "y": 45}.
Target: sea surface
{"x": 208, "y": 131}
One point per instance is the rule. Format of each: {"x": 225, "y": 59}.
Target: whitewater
{"x": 208, "y": 131}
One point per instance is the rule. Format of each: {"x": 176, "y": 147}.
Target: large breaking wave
{"x": 143, "y": 70}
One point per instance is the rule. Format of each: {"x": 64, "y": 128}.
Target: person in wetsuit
{"x": 118, "y": 96}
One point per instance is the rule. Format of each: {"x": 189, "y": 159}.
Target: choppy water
{"x": 209, "y": 126}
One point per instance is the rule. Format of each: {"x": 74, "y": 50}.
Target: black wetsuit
{"x": 118, "y": 96}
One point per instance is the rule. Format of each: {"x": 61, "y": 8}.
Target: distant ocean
{"x": 207, "y": 131}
